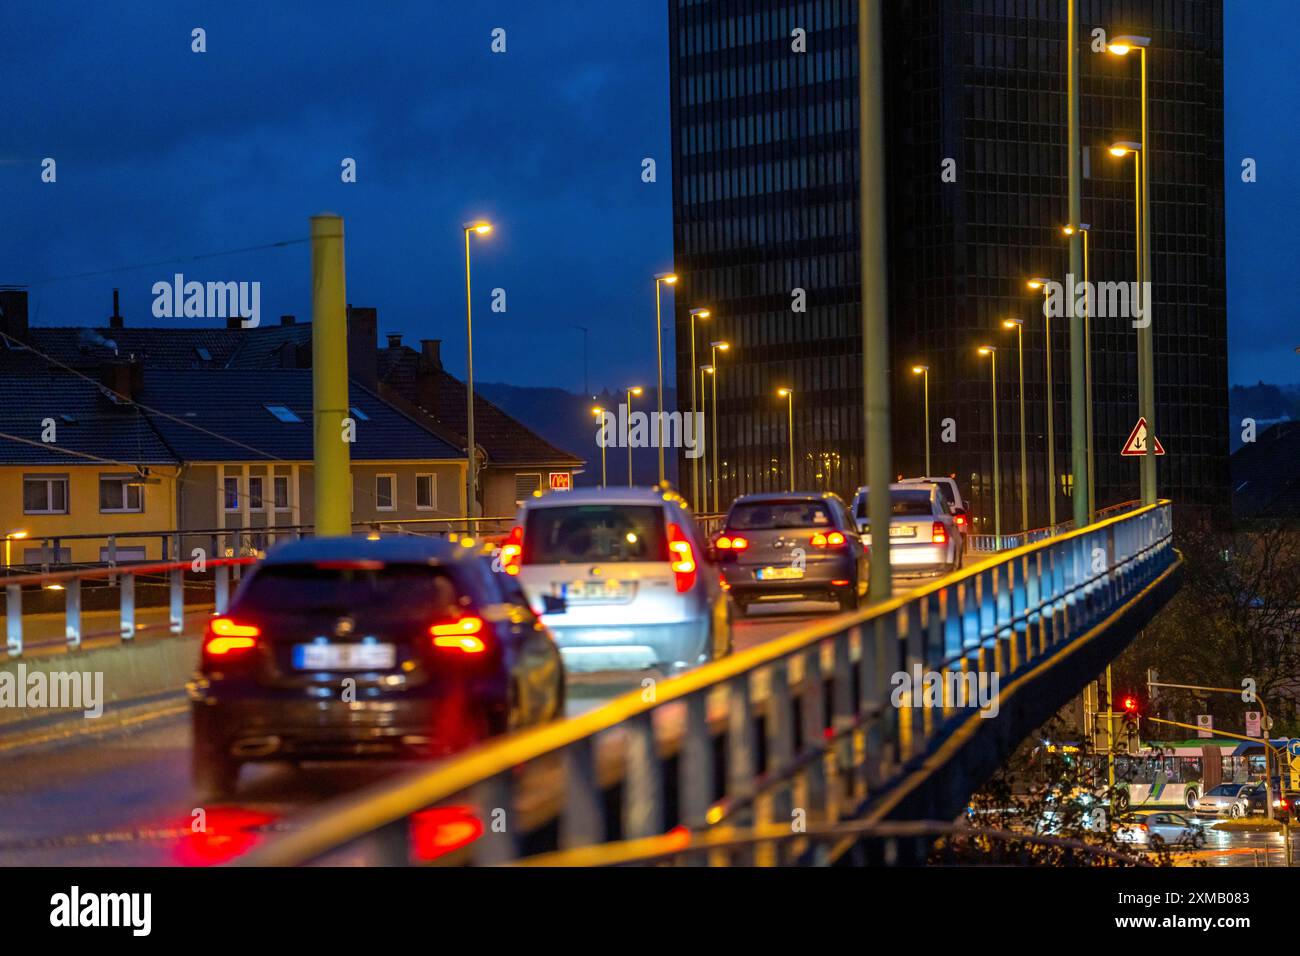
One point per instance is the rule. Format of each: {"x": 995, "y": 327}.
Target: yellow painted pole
{"x": 329, "y": 358}
{"x": 1146, "y": 357}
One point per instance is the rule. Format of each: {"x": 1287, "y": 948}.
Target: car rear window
{"x": 901, "y": 504}
{"x": 585, "y": 533}
{"x": 759, "y": 516}
{"x": 352, "y": 588}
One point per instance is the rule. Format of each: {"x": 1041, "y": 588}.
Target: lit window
{"x": 282, "y": 413}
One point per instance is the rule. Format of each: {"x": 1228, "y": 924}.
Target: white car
{"x": 923, "y": 536}
{"x": 951, "y": 496}
{"x": 622, "y": 577}
{"x": 1156, "y": 828}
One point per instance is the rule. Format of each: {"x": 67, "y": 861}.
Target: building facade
{"x": 765, "y": 171}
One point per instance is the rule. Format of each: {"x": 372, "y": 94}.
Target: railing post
{"x": 741, "y": 757}
{"x": 582, "y": 821}
{"x": 14, "y": 618}
{"x": 221, "y": 579}
{"x": 780, "y": 753}
{"x": 643, "y": 782}
{"x": 695, "y": 765}
{"x": 176, "y": 622}
{"x": 813, "y": 713}
{"x": 72, "y": 612}
{"x": 126, "y": 604}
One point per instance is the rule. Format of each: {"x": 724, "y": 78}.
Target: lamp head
{"x": 667, "y": 278}
{"x": 986, "y": 350}
{"x": 720, "y": 345}
{"x": 1012, "y": 323}
{"x": 481, "y": 226}
{"x": 707, "y": 369}
{"x": 636, "y": 389}
{"x": 1124, "y": 147}
{"x": 1037, "y": 282}
{"x": 701, "y": 313}
{"x": 785, "y": 392}
{"x": 1124, "y": 45}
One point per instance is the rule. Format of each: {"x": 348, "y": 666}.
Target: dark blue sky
{"x": 163, "y": 152}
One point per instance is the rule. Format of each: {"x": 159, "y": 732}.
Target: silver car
{"x": 1225, "y": 800}
{"x": 1156, "y": 828}
{"x": 923, "y": 538}
{"x": 633, "y": 574}
{"x": 952, "y": 498}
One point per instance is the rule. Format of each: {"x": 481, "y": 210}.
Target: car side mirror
{"x": 554, "y": 604}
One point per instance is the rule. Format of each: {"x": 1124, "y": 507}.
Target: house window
{"x": 385, "y": 492}
{"x": 255, "y": 493}
{"x": 230, "y": 493}
{"x": 282, "y": 413}
{"x": 525, "y": 485}
{"x": 45, "y": 494}
{"x": 133, "y": 553}
{"x": 47, "y": 555}
{"x": 118, "y": 493}
{"x": 425, "y": 492}
{"x": 281, "y": 488}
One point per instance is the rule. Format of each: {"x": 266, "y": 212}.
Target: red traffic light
{"x": 1130, "y": 705}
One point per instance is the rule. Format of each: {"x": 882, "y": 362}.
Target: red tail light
{"x": 959, "y": 520}
{"x": 736, "y": 543}
{"x": 833, "y": 540}
{"x": 512, "y": 552}
{"x": 227, "y": 636}
{"x": 682, "y": 557}
{"x": 938, "y": 533}
{"x": 463, "y": 634}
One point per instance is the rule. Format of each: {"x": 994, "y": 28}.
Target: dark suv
{"x": 796, "y": 546}
{"x": 348, "y": 647}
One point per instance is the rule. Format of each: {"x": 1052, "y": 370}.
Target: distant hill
{"x": 565, "y": 419}
{"x": 1267, "y": 404}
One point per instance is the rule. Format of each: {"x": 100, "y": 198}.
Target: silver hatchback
{"x": 923, "y": 537}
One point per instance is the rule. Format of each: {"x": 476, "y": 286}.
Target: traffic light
{"x": 1133, "y": 741}
{"x": 1130, "y": 705}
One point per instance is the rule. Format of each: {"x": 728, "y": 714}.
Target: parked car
{"x": 1157, "y": 828}
{"x": 1225, "y": 800}
{"x": 792, "y": 546}
{"x": 923, "y": 535}
{"x": 633, "y": 570}
{"x": 952, "y": 497}
{"x": 348, "y": 647}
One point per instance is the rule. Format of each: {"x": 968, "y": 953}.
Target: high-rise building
{"x": 765, "y": 201}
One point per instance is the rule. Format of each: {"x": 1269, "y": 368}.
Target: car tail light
{"x": 682, "y": 557}
{"x": 1142, "y": 827}
{"x": 938, "y": 533}
{"x": 959, "y": 520}
{"x": 463, "y": 634}
{"x": 512, "y": 552}
{"x": 736, "y": 543}
{"x": 833, "y": 540}
{"x": 228, "y": 636}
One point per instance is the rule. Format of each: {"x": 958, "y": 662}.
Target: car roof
{"x": 604, "y": 496}
{"x": 391, "y": 549}
{"x": 771, "y": 497}
{"x": 898, "y": 486}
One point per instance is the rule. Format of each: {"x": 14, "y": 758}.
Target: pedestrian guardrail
{"x": 805, "y": 722}
{"x": 990, "y": 543}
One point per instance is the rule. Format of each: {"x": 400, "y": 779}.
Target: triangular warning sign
{"x": 1136, "y": 446}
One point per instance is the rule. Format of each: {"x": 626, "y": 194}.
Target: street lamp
{"x": 716, "y": 348}
{"x": 924, "y": 372}
{"x": 1019, "y": 326}
{"x": 633, "y": 390}
{"x": 997, "y": 482}
{"x": 661, "y": 278}
{"x": 1040, "y": 284}
{"x": 1083, "y": 229}
{"x": 709, "y": 370}
{"x": 1123, "y": 46}
{"x": 482, "y": 228}
{"x": 700, "y": 314}
{"x": 788, "y": 395}
{"x": 12, "y": 536}
{"x": 600, "y": 416}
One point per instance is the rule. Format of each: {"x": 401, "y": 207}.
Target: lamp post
{"x": 633, "y": 390}
{"x": 661, "y": 278}
{"x": 9, "y": 539}
{"x": 1019, "y": 326}
{"x": 1122, "y": 149}
{"x": 698, "y": 498}
{"x": 716, "y": 348}
{"x": 1122, "y": 46}
{"x": 1083, "y": 229}
{"x": 709, "y": 370}
{"x": 924, "y": 372}
{"x": 997, "y": 482}
{"x": 788, "y": 395}
{"x": 600, "y": 416}
{"x": 482, "y": 228}
{"x": 1040, "y": 284}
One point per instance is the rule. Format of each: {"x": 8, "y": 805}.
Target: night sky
{"x": 164, "y": 153}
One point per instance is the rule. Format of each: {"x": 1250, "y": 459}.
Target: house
{"x": 1266, "y": 476}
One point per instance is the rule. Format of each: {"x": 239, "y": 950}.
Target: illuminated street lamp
{"x": 1019, "y": 326}
{"x": 924, "y": 372}
{"x": 10, "y": 537}
{"x": 701, "y": 314}
{"x": 633, "y": 390}
{"x": 482, "y": 228}
{"x": 709, "y": 370}
{"x": 997, "y": 482}
{"x": 788, "y": 395}
{"x": 661, "y": 278}
{"x": 1039, "y": 284}
{"x": 716, "y": 348}
{"x": 1083, "y": 229}
{"x": 600, "y": 417}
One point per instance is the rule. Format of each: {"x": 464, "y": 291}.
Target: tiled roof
{"x": 86, "y": 423}
{"x": 1266, "y": 474}
{"x": 154, "y": 348}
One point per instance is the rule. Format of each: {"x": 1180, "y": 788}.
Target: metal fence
{"x": 805, "y": 722}
{"x": 990, "y": 543}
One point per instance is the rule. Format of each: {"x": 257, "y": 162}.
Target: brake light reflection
{"x": 441, "y": 830}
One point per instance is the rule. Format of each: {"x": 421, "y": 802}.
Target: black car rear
{"x": 346, "y": 648}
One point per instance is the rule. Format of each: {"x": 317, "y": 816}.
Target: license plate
{"x": 779, "y": 574}
{"x": 596, "y": 592}
{"x": 344, "y": 657}
{"x": 902, "y": 531}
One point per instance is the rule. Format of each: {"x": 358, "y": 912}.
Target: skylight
{"x": 358, "y": 414}
{"x": 282, "y": 413}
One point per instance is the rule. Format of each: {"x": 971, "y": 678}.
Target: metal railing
{"x": 804, "y": 722}
{"x": 991, "y": 543}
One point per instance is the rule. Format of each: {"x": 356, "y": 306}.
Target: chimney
{"x": 363, "y": 346}
{"x": 394, "y": 340}
{"x": 124, "y": 377}
{"x": 115, "y": 320}
{"x": 426, "y": 375}
{"x": 287, "y": 320}
{"x": 431, "y": 354}
{"x": 13, "y": 314}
